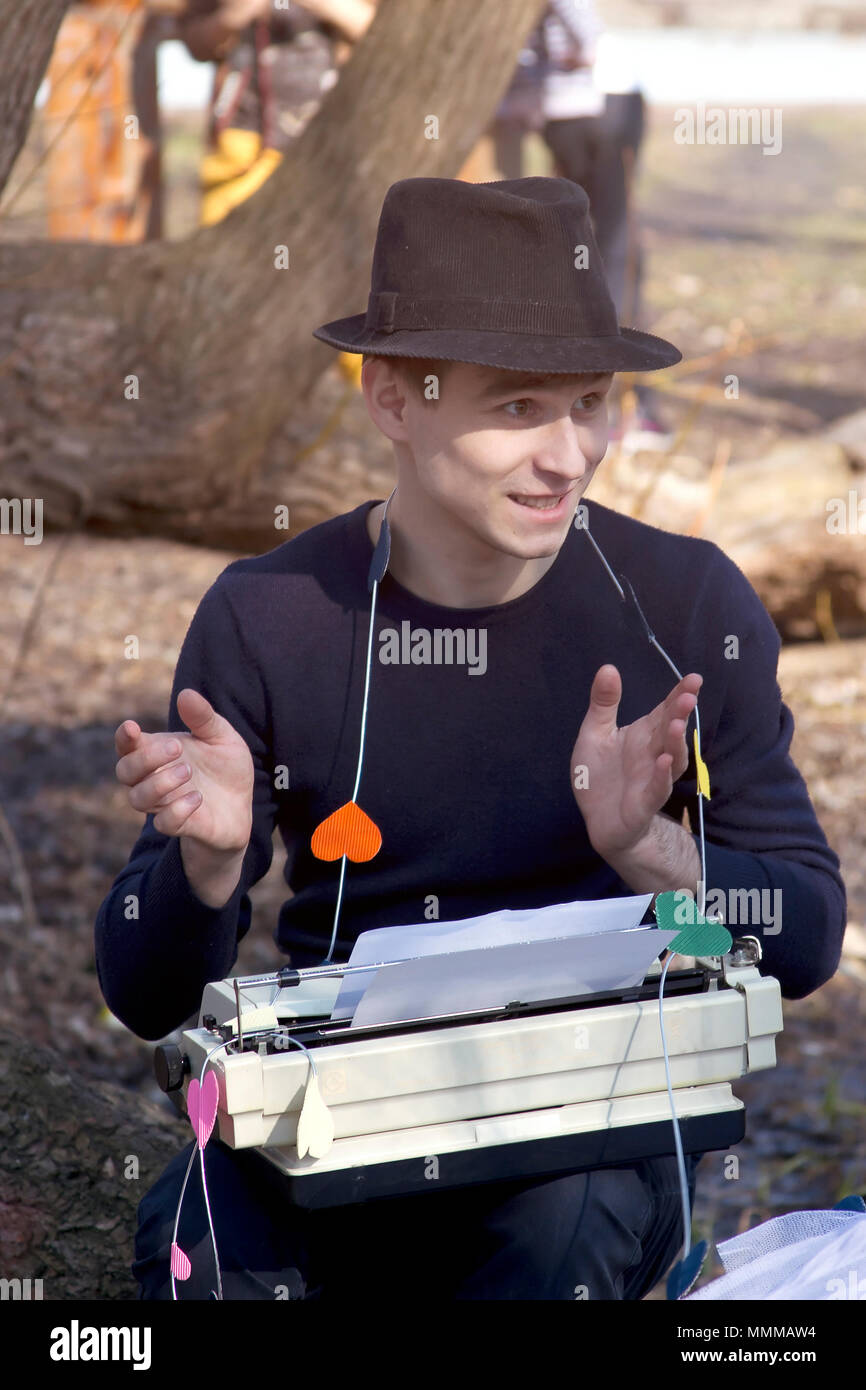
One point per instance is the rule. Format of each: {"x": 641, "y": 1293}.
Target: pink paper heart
{"x": 201, "y": 1105}
{"x": 180, "y": 1265}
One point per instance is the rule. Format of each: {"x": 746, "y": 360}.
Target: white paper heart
{"x": 315, "y": 1124}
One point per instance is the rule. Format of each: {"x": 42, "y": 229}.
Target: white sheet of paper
{"x": 509, "y": 926}
{"x": 459, "y": 981}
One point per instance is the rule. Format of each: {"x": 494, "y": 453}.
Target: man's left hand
{"x": 630, "y": 772}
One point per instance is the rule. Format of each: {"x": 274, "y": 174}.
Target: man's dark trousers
{"x": 608, "y": 1234}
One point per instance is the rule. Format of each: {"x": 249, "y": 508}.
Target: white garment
{"x": 808, "y": 1255}
{"x": 568, "y": 94}
{"x": 614, "y": 67}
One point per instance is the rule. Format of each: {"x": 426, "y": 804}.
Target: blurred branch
{"x": 72, "y": 116}
{"x": 28, "y": 30}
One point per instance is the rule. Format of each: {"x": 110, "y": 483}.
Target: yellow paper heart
{"x": 703, "y": 774}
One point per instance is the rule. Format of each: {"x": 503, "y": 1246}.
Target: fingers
{"x": 126, "y": 736}
{"x": 160, "y": 788}
{"x": 674, "y": 757}
{"x": 684, "y": 696}
{"x": 158, "y": 784}
{"x": 171, "y": 819}
{"x": 604, "y": 698}
{"x": 669, "y": 720}
{"x": 673, "y": 745}
{"x": 680, "y": 701}
{"x": 149, "y": 753}
{"x": 199, "y": 715}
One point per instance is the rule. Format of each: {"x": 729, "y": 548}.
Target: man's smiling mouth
{"x": 545, "y": 502}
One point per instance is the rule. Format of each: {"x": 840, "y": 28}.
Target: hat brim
{"x": 629, "y": 350}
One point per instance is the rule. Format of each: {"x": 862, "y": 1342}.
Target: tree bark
{"x": 214, "y": 339}
{"x": 76, "y": 1158}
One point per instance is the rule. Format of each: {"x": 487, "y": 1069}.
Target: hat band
{"x": 388, "y": 312}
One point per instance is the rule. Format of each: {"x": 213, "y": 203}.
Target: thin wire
{"x": 333, "y": 940}
{"x": 358, "y": 772}
{"x": 651, "y": 637}
{"x": 198, "y": 1146}
{"x": 703, "y": 849}
{"x": 366, "y": 691}
{"x": 216, "y": 1257}
{"x": 603, "y": 560}
{"x": 177, "y": 1217}
{"x": 260, "y": 1034}
{"x": 703, "y": 844}
{"x": 362, "y": 740}
{"x": 678, "y": 1144}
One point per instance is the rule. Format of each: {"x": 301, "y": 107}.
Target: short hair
{"x": 414, "y": 369}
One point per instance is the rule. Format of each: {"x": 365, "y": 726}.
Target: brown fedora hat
{"x": 503, "y": 274}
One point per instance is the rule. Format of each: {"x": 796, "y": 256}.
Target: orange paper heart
{"x": 348, "y": 831}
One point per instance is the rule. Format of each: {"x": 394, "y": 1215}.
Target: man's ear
{"x": 386, "y": 396}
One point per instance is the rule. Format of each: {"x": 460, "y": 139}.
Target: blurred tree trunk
{"x": 140, "y": 385}
{"x": 28, "y": 29}
{"x": 76, "y": 1158}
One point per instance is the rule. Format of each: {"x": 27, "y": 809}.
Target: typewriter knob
{"x": 170, "y": 1066}
{"x": 746, "y": 950}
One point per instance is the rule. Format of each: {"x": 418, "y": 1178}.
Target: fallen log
{"x": 794, "y": 521}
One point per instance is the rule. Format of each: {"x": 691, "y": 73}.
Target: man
{"x": 492, "y": 340}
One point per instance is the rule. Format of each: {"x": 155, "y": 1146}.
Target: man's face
{"x": 502, "y": 457}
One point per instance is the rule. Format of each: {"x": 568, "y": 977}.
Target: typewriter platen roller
{"x": 524, "y": 1090}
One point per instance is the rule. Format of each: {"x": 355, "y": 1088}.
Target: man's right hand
{"x": 198, "y": 784}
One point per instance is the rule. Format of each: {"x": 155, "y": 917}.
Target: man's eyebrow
{"x": 526, "y": 381}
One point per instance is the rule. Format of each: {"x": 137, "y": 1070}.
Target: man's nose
{"x": 561, "y": 451}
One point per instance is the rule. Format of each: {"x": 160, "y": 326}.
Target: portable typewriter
{"x": 528, "y": 1089}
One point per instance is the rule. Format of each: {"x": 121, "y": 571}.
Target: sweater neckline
{"x": 528, "y": 602}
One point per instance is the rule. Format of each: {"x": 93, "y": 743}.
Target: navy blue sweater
{"x": 466, "y": 773}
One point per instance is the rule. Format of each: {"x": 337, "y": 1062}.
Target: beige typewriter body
{"x": 436, "y": 1090}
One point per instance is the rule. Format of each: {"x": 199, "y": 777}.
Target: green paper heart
{"x": 696, "y": 936}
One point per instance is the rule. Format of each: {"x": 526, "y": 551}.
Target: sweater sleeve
{"x": 157, "y": 944}
{"x": 764, "y": 845}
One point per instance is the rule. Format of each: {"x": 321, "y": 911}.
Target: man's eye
{"x": 584, "y": 406}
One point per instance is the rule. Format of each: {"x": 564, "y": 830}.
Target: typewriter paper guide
{"x": 488, "y": 961}
{"x": 457, "y": 981}
{"x": 504, "y": 928}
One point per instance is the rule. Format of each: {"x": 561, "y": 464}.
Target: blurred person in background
{"x": 592, "y": 121}
{"x": 273, "y": 68}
